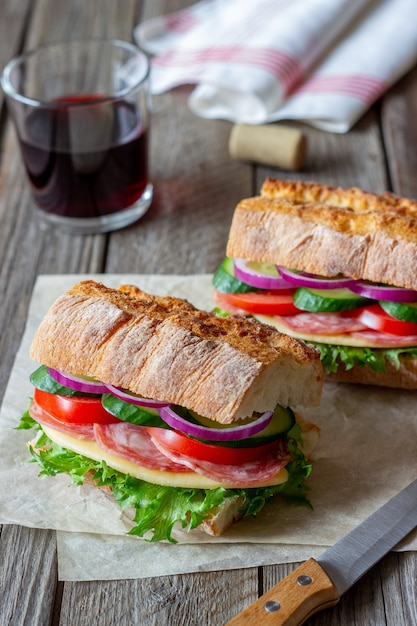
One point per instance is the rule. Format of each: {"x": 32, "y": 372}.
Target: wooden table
{"x": 197, "y": 187}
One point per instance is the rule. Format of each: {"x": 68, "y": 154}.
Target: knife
{"x": 318, "y": 583}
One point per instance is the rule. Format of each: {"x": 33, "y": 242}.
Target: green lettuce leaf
{"x": 332, "y": 356}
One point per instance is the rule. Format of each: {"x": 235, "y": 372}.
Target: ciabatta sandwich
{"x": 181, "y": 415}
{"x": 334, "y": 267}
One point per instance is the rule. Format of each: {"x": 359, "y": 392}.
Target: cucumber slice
{"x": 127, "y": 412}
{"x": 406, "y": 312}
{"x": 327, "y": 300}
{"x": 282, "y": 421}
{"x": 224, "y": 279}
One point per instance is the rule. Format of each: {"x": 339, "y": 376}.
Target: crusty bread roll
{"x": 380, "y": 246}
{"x": 164, "y": 348}
{"x": 332, "y": 231}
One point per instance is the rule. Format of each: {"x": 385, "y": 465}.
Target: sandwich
{"x": 333, "y": 267}
{"x": 181, "y": 416}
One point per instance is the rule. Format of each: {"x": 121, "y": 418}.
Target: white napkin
{"x": 323, "y": 62}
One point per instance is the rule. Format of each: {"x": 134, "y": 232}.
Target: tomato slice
{"x": 375, "y": 317}
{"x": 181, "y": 444}
{"x": 79, "y": 431}
{"x": 274, "y": 302}
{"x": 74, "y": 409}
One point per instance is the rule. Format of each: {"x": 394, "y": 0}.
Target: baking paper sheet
{"x": 366, "y": 454}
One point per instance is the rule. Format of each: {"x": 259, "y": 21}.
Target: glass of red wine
{"x": 81, "y": 112}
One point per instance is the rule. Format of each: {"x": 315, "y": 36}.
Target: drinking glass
{"x": 82, "y": 116}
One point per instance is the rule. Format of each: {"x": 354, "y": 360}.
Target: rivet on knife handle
{"x": 302, "y": 593}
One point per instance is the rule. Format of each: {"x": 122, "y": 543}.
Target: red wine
{"x": 86, "y": 161}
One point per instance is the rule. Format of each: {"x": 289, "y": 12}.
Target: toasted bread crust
{"x": 164, "y": 348}
{"x": 362, "y": 236}
{"x": 255, "y": 339}
{"x": 302, "y": 192}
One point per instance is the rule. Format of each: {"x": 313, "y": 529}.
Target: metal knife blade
{"x": 318, "y": 584}
{"x": 353, "y": 555}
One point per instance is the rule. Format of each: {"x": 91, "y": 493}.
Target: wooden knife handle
{"x": 305, "y": 591}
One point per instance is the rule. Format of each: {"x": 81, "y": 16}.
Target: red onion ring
{"x": 233, "y": 433}
{"x": 128, "y": 397}
{"x": 77, "y": 383}
{"x": 304, "y": 279}
{"x": 254, "y": 278}
{"x": 384, "y": 292}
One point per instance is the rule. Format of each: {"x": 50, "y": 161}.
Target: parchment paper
{"x": 366, "y": 454}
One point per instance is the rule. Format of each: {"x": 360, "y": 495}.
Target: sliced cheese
{"x": 188, "y": 479}
{"x": 341, "y": 339}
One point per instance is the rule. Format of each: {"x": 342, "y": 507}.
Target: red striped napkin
{"x": 323, "y": 62}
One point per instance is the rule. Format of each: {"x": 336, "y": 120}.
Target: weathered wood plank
{"x": 27, "y": 576}
{"x": 399, "y": 581}
{"x": 206, "y": 598}
{"x": 60, "y": 20}
{"x": 400, "y": 134}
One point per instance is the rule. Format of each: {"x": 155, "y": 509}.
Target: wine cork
{"x": 270, "y": 144}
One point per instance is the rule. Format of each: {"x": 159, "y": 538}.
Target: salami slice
{"x": 79, "y": 431}
{"x": 321, "y": 323}
{"x": 385, "y": 340}
{"x": 246, "y": 475}
{"x": 134, "y": 444}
